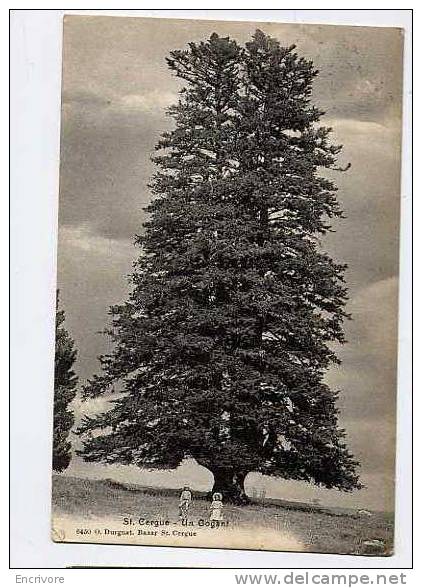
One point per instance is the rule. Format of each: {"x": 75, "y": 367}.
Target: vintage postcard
{"x": 226, "y": 324}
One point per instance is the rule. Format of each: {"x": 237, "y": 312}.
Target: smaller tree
{"x": 65, "y": 381}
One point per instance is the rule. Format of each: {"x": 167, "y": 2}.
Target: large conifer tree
{"x": 65, "y": 382}
{"x": 221, "y": 349}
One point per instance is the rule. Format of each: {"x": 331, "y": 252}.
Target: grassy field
{"x": 83, "y": 507}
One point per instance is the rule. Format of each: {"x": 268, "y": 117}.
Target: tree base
{"x": 231, "y": 486}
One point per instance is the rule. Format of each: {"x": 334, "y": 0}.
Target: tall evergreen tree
{"x": 222, "y": 346}
{"x": 65, "y": 382}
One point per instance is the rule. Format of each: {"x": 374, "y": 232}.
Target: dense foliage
{"x": 65, "y": 382}
{"x": 220, "y": 351}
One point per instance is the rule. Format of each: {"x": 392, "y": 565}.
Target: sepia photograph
{"x": 227, "y": 285}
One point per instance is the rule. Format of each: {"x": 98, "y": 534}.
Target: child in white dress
{"x": 216, "y": 507}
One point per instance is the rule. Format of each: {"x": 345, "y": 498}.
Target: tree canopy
{"x": 65, "y": 382}
{"x": 221, "y": 349}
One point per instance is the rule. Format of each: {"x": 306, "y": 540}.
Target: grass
{"x": 257, "y": 526}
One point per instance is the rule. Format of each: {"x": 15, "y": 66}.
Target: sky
{"x": 116, "y": 87}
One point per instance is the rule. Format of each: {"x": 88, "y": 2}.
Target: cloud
{"x": 367, "y": 377}
{"x": 105, "y": 169}
{"x": 354, "y": 80}
{"x": 369, "y": 356}
{"x": 381, "y": 138}
{"x": 92, "y": 275}
{"x": 81, "y": 101}
{"x": 150, "y": 101}
{"x": 84, "y": 97}
{"x": 377, "y": 304}
{"x": 83, "y": 239}
{"x": 378, "y": 434}
{"x": 368, "y": 240}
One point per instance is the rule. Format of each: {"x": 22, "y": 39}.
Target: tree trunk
{"x": 231, "y": 485}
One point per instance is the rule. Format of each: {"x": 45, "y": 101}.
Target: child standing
{"x": 216, "y": 507}
{"x": 184, "y": 502}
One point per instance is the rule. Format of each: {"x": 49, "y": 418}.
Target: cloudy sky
{"x": 116, "y": 87}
